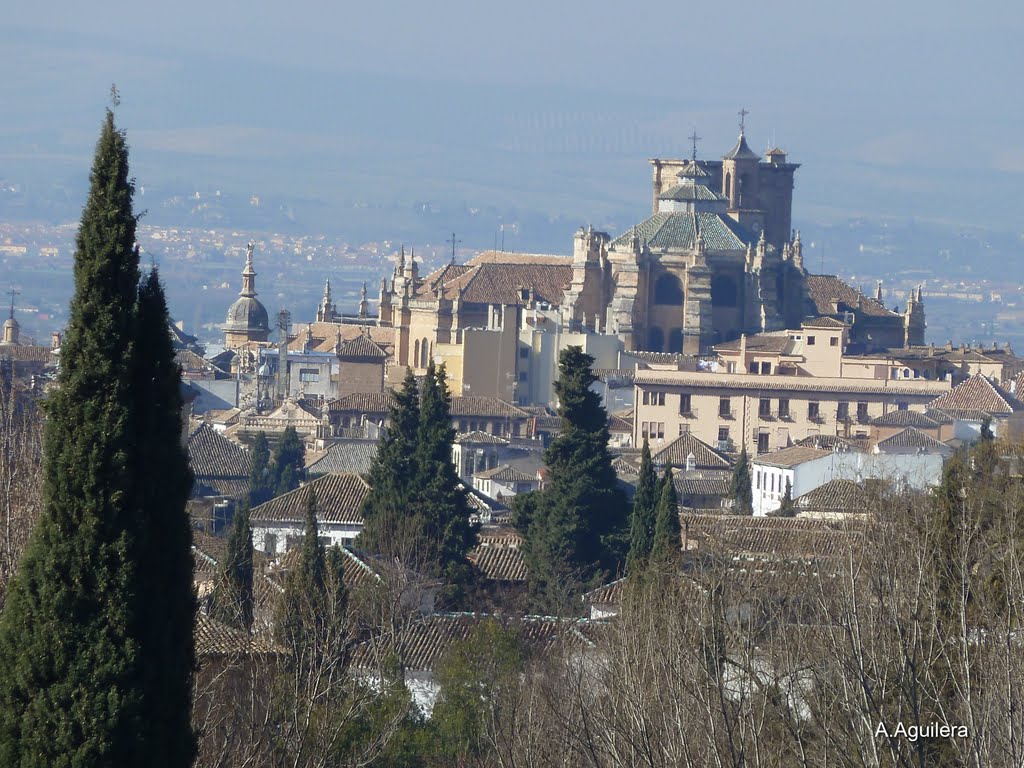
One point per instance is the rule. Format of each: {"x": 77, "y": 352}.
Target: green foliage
{"x": 644, "y": 511}
{"x": 289, "y": 462}
{"x": 667, "y": 531}
{"x": 261, "y": 483}
{"x": 234, "y": 597}
{"x": 475, "y": 679}
{"x": 786, "y": 507}
{"x": 740, "y": 490}
{"x": 96, "y": 648}
{"x": 573, "y": 529}
{"x": 987, "y": 435}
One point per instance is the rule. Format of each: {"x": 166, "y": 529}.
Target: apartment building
{"x": 766, "y": 412}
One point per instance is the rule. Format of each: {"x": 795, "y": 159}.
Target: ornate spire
{"x": 878, "y": 291}
{"x": 248, "y": 275}
{"x": 363, "y": 306}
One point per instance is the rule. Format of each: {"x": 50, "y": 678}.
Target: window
{"x": 647, "y": 397}
{"x": 524, "y": 352}
{"x": 661, "y": 397}
{"x": 762, "y": 443}
{"x": 894, "y": 373}
{"x": 291, "y": 542}
{"x": 810, "y": 341}
{"x": 684, "y": 429}
{"x": 684, "y": 403}
{"x": 783, "y": 407}
{"x": 814, "y": 410}
{"x": 724, "y": 407}
{"x": 757, "y": 479}
{"x": 325, "y": 541}
{"x": 833, "y": 341}
{"x": 764, "y": 407}
{"x": 902, "y": 405}
{"x": 643, "y": 428}
{"x": 309, "y": 374}
{"x": 523, "y": 375}
{"x": 270, "y": 543}
{"x": 723, "y": 434}
{"x": 661, "y": 430}
{"x": 843, "y": 411}
{"x": 862, "y": 412}
{"x": 668, "y": 290}
{"x": 773, "y": 482}
{"x": 766, "y": 368}
{"x": 753, "y": 367}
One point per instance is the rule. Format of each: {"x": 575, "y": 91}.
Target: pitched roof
{"x": 776, "y": 342}
{"x": 826, "y": 289}
{"x": 217, "y": 640}
{"x": 476, "y": 437}
{"x": 365, "y": 402}
{"x": 607, "y": 594}
{"x": 361, "y": 347}
{"x": 688, "y": 192}
{"x": 623, "y": 466}
{"x": 211, "y": 455}
{"x": 830, "y": 442}
{"x": 913, "y": 438}
{"x": 191, "y": 362}
{"x": 766, "y": 538}
{"x": 339, "y": 499}
{"x": 499, "y": 563}
{"x": 676, "y": 453}
{"x": 905, "y": 418}
{"x": 678, "y": 230}
{"x": 978, "y": 393}
{"x": 505, "y": 473}
{"x": 617, "y": 424}
{"x": 702, "y": 483}
{"x": 741, "y": 151}
{"x": 477, "y": 405}
{"x": 834, "y": 496}
{"x": 790, "y": 457}
{"x": 824, "y": 322}
{"x": 496, "y": 278}
{"x": 348, "y": 455}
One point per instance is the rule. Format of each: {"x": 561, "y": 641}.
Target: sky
{"x": 905, "y": 109}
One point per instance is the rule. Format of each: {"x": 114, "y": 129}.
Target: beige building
{"x": 766, "y": 412}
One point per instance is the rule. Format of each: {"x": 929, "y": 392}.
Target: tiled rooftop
{"x": 345, "y": 456}
{"x": 339, "y": 499}
{"x": 978, "y": 393}
{"x": 705, "y": 457}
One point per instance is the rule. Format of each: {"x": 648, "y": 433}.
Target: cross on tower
{"x": 694, "y": 138}
{"x": 743, "y": 115}
{"x": 454, "y": 242}
{"x": 12, "y": 294}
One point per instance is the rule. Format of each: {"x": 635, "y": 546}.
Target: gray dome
{"x": 247, "y": 314}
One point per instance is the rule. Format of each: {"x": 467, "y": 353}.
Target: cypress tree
{"x": 740, "y": 491}
{"x": 786, "y": 507}
{"x": 439, "y": 497}
{"x": 289, "y": 462}
{"x": 95, "y": 665}
{"x": 261, "y": 486}
{"x": 644, "y": 507}
{"x": 234, "y": 598}
{"x": 164, "y": 584}
{"x": 667, "y": 531}
{"x": 390, "y": 528}
{"x": 572, "y": 529}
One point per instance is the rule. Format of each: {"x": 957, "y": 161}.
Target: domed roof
{"x": 247, "y": 314}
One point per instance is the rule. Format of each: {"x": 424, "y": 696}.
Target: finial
{"x": 761, "y": 240}
{"x": 401, "y": 258}
{"x": 248, "y": 256}
{"x": 694, "y": 138}
{"x": 362, "y": 293}
{"x": 878, "y": 291}
{"x": 743, "y": 116}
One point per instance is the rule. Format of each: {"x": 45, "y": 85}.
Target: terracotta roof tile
{"x": 607, "y": 594}
{"x": 906, "y": 418}
{"x": 834, "y": 496}
{"x": 978, "y": 393}
{"x": 364, "y": 402}
{"x": 211, "y": 456}
{"x": 217, "y": 640}
{"x": 790, "y": 457}
{"x": 767, "y": 538}
{"x": 345, "y": 456}
{"x": 913, "y": 438}
{"x": 825, "y": 290}
{"x": 476, "y": 437}
{"x": 476, "y": 405}
{"x": 676, "y": 453}
{"x": 825, "y": 322}
{"x": 339, "y": 499}
{"x": 505, "y": 473}
{"x": 500, "y": 563}
{"x": 362, "y": 347}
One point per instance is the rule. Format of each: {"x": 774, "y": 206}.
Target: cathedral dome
{"x": 247, "y": 314}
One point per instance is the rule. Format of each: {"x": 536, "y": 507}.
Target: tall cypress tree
{"x": 289, "y": 462}
{"x": 740, "y": 491}
{"x": 571, "y": 529}
{"x": 439, "y": 496}
{"x": 82, "y": 628}
{"x": 389, "y": 527}
{"x": 165, "y": 586}
{"x": 261, "y": 484}
{"x": 667, "y": 531}
{"x": 234, "y": 598}
{"x": 642, "y": 520}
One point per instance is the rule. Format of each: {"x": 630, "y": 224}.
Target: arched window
{"x": 416, "y": 354}
{"x": 728, "y": 184}
{"x": 424, "y": 353}
{"x": 675, "y": 340}
{"x": 668, "y": 290}
{"x": 655, "y": 340}
{"x": 724, "y": 291}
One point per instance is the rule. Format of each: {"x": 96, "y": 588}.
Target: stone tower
{"x": 247, "y": 318}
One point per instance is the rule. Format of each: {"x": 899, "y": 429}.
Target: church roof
{"x": 693, "y": 170}
{"x": 486, "y": 280}
{"x": 247, "y": 314}
{"x": 678, "y": 230}
{"x": 825, "y": 290}
{"x": 741, "y": 151}
{"x": 689, "y": 192}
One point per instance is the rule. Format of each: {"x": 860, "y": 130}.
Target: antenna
{"x": 455, "y": 242}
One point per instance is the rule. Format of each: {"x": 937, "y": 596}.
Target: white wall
{"x": 337, "y": 533}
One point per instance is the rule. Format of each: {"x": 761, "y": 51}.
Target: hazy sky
{"x": 906, "y": 107}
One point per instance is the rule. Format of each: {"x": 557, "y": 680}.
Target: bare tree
{"x": 21, "y": 453}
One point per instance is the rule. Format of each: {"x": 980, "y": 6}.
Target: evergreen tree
{"x": 390, "y": 527}
{"x": 644, "y": 508}
{"x": 786, "y": 507}
{"x": 95, "y": 660}
{"x": 234, "y": 598}
{"x": 572, "y": 529}
{"x": 289, "y": 462}
{"x": 740, "y": 490}
{"x": 667, "y": 531}
{"x": 439, "y": 497}
{"x": 261, "y": 484}
{"x": 164, "y": 583}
